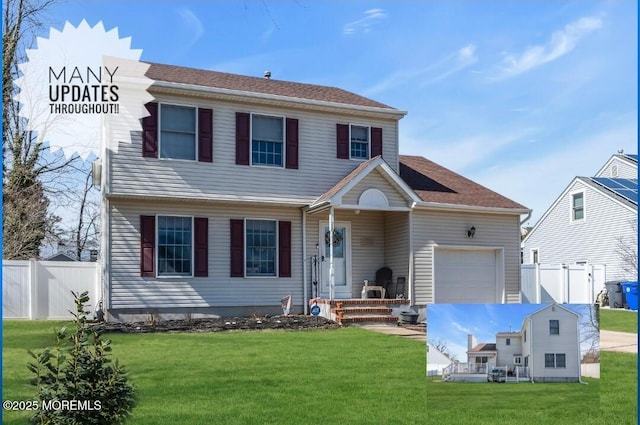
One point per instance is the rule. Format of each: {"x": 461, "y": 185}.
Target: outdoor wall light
{"x": 471, "y": 232}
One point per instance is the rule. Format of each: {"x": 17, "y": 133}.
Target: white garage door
{"x": 465, "y": 276}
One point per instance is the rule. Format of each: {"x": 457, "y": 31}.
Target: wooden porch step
{"x": 365, "y": 309}
{"x": 369, "y": 318}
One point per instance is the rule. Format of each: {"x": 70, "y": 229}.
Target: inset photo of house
{"x": 518, "y": 343}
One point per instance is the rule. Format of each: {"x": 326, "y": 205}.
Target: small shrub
{"x": 76, "y": 381}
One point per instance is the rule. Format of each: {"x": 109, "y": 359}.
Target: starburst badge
{"x": 75, "y": 82}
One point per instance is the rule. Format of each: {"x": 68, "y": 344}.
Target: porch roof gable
{"x": 333, "y": 197}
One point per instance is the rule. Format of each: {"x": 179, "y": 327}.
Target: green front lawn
{"x": 345, "y": 376}
{"x": 619, "y": 320}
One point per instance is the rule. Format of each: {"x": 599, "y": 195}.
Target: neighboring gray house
{"x": 592, "y": 221}
{"x": 236, "y": 183}
{"x": 546, "y": 349}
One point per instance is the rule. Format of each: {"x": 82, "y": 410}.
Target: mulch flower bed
{"x": 223, "y": 324}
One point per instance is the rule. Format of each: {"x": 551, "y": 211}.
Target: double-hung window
{"x": 554, "y": 327}
{"x": 508, "y": 341}
{"x": 267, "y": 141}
{"x": 577, "y": 206}
{"x": 261, "y": 248}
{"x": 359, "y": 142}
{"x": 175, "y": 242}
{"x": 555, "y": 360}
{"x": 177, "y": 132}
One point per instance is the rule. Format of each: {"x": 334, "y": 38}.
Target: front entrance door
{"x": 341, "y": 260}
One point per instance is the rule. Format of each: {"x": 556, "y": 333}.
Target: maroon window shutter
{"x": 376, "y": 141}
{"x": 150, "y": 131}
{"x": 147, "y": 245}
{"x": 342, "y": 141}
{"x": 292, "y": 143}
{"x": 201, "y": 248}
{"x": 237, "y": 248}
{"x": 284, "y": 248}
{"x": 242, "y": 138}
{"x": 205, "y": 135}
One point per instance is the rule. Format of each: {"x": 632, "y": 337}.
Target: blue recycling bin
{"x": 630, "y": 291}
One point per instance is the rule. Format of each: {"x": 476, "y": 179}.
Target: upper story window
{"x": 359, "y": 146}
{"x": 508, "y": 341}
{"x": 177, "y": 132}
{"x": 554, "y": 327}
{"x": 577, "y": 206}
{"x": 358, "y": 142}
{"x": 267, "y": 141}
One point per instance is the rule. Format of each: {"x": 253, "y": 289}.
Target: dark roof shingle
{"x": 434, "y": 183}
{"x": 222, "y": 80}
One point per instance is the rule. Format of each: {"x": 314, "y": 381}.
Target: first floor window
{"x": 261, "y": 247}
{"x": 535, "y": 256}
{"x": 482, "y": 359}
{"x": 555, "y": 360}
{"x": 174, "y": 246}
{"x": 359, "y": 142}
{"x": 267, "y": 141}
{"x": 517, "y": 360}
{"x": 177, "y": 132}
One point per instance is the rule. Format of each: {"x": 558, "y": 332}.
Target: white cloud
{"x": 371, "y": 17}
{"x": 461, "y": 328}
{"x": 562, "y": 42}
{"x": 441, "y": 69}
{"x": 193, "y": 24}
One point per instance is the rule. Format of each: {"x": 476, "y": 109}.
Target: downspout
{"x": 305, "y": 294}
{"x": 410, "y": 289}
{"x": 332, "y": 280}
{"x": 526, "y": 218}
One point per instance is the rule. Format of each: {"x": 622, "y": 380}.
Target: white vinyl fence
{"x": 42, "y": 289}
{"x": 573, "y": 284}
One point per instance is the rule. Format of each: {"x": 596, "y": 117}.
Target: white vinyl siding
{"x": 596, "y": 240}
{"x": 447, "y": 228}
{"x": 376, "y": 180}
{"x": 130, "y": 290}
{"x": 625, "y": 169}
{"x": 318, "y": 168}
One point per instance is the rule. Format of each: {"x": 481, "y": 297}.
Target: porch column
{"x": 332, "y": 280}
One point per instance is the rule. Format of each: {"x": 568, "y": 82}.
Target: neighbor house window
{"x": 261, "y": 248}
{"x": 577, "y": 206}
{"x": 525, "y": 336}
{"x": 359, "y": 145}
{"x": 267, "y": 141}
{"x": 508, "y": 341}
{"x": 555, "y": 360}
{"x": 482, "y": 359}
{"x": 177, "y": 132}
{"x": 517, "y": 360}
{"x": 175, "y": 246}
{"x": 535, "y": 256}
{"x": 554, "y": 327}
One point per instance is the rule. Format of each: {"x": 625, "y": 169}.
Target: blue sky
{"x": 451, "y": 323}
{"x": 518, "y": 96}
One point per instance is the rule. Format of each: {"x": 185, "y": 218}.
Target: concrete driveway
{"x": 622, "y": 342}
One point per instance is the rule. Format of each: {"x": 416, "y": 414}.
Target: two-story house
{"x": 545, "y": 349}
{"x": 235, "y": 183}
{"x": 594, "y": 220}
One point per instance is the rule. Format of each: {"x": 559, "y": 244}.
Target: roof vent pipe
{"x": 267, "y": 75}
